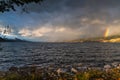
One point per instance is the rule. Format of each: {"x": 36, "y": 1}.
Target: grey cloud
{"x": 69, "y": 12}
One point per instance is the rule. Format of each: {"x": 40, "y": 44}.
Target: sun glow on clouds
{"x": 39, "y": 32}
{"x": 97, "y": 21}
{"x": 50, "y": 33}
{"x": 89, "y": 21}
{"x": 34, "y": 33}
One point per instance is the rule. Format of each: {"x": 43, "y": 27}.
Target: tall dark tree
{"x": 7, "y": 5}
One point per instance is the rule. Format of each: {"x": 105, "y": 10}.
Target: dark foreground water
{"x": 44, "y": 54}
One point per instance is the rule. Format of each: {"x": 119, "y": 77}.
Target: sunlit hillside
{"x": 115, "y": 38}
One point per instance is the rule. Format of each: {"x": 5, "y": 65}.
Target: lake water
{"x": 43, "y": 54}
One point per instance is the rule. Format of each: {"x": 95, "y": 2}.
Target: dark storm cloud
{"x": 69, "y": 12}
{"x": 55, "y": 5}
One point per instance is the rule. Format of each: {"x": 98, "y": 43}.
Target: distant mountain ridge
{"x": 7, "y": 35}
{"x": 10, "y": 40}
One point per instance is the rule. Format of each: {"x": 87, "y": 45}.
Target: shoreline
{"x": 108, "y": 72}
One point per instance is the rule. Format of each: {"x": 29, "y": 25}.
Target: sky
{"x": 61, "y": 20}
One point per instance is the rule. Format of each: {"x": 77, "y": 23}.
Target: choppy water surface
{"x": 23, "y": 53}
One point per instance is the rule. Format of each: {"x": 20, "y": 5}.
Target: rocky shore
{"x": 75, "y": 72}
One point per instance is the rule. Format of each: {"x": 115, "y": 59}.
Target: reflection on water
{"x": 23, "y": 53}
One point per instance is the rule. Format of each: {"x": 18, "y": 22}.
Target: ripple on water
{"x": 23, "y": 53}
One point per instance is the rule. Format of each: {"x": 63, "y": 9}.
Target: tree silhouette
{"x": 7, "y": 5}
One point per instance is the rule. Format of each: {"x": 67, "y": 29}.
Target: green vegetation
{"x": 32, "y": 73}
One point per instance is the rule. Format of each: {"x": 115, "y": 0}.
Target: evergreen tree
{"x": 7, "y": 5}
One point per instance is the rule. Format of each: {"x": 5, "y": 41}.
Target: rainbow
{"x": 106, "y": 34}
